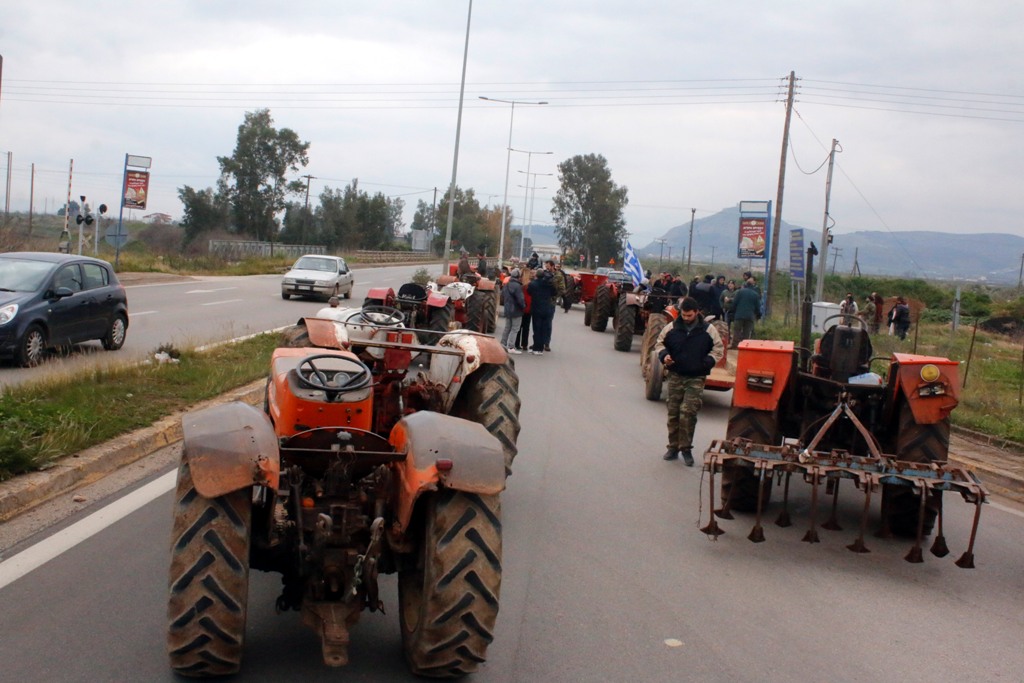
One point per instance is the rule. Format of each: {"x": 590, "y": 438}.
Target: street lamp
{"x": 529, "y": 157}
{"x": 455, "y": 159}
{"x": 508, "y": 161}
{"x": 532, "y": 194}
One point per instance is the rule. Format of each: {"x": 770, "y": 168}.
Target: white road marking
{"x": 1004, "y": 508}
{"x": 225, "y": 301}
{"x": 136, "y": 314}
{"x": 210, "y": 291}
{"x": 39, "y": 554}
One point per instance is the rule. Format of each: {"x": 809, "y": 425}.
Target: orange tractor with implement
{"x": 373, "y": 455}
{"x": 820, "y": 414}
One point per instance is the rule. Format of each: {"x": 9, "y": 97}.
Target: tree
{"x": 205, "y": 211}
{"x": 588, "y": 207}
{"x": 469, "y": 223}
{"x": 254, "y": 176}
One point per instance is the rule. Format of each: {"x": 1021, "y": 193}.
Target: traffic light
{"x": 87, "y": 218}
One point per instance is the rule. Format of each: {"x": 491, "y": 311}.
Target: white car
{"x": 320, "y": 276}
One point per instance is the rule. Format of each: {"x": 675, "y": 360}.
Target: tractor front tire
{"x": 475, "y": 313}
{"x": 654, "y": 378}
{"x": 490, "y": 396}
{"x": 209, "y": 580}
{"x": 739, "y": 484}
{"x": 915, "y": 443}
{"x": 602, "y": 309}
{"x": 296, "y": 337}
{"x": 438, "y": 322}
{"x": 625, "y": 323}
{"x": 448, "y": 603}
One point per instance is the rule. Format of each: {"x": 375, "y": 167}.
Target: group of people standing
{"x": 533, "y": 304}
{"x": 897, "y": 320}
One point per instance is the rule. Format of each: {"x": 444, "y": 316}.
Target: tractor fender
{"x": 450, "y": 371}
{"x": 634, "y": 299}
{"x": 471, "y": 459}
{"x": 326, "y": 334}
{"x": 909, "y": 381}
{"x": 437, "y": 299}
{"x": 229, "y": 447}
{"x": 446, "y": 280}
{"x": 485, "y": 285}
{"x": 382, "y": 294}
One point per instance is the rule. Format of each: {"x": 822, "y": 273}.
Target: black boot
{"x": 670, "y": 454}
{"x": 687, "y": 456}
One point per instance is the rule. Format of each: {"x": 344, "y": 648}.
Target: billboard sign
{"x": 136, "y": 189}
{"x": 796, "y": 253}
{"x": 753, "y": 237}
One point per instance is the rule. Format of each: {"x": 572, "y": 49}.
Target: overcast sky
{"x": 684, "y": 99}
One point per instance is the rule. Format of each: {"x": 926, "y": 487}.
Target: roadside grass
{"x": 60, "y": 416}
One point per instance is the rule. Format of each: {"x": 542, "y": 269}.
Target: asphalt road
{"x": 196, "y": 311}
{"x": 606, "y": 576}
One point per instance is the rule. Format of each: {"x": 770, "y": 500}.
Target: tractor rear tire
{"x": 625, "y": 323}
{"x": 490, "y": 312}
{"x": 209, "y": 580}
{"x": 602, "y": 309}
{"x": 655, "y": 324}
{"x": 761, "y": 427}
{"x": 438, "y": 322}
{"x": 448, "y": 604}
{"x": 490, "y": 396}
{"x": 296, "y": 337}
{"x": 475, "y": 311}
{"x": 915, "y": 443}
{"x": 588, "y": 313}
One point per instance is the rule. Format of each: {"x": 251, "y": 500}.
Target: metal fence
{"x": 239, "y": 249}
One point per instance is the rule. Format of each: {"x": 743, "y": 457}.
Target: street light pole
{"x": 532, "y": 194}
{"x": 455, "y": 160}
{"x": 508, "y": 163}
{"x": 529, "y": 157}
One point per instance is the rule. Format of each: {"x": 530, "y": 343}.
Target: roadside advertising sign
{"x": 753, "y": 237}
{"x": 136, "y": 189}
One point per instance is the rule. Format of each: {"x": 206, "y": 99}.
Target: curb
{"x": 24, "y": 492}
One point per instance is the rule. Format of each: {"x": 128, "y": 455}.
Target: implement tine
{"x": 757, "y": 533}
{"x": 939, "y": 547}
{"x": 784, "y": 519}
{"x": 712, "y": 528}
{"x": 858, "y": 545}
{"x": 915, "y": 555}
{"x": 966, "y": 560}
{"x": 812, "y": 534}
{"x": 833, "y": 522}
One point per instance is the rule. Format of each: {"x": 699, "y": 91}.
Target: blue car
{"x": 55, "y": 300}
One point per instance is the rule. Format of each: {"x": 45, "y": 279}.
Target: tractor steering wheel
{"x": 338, "y": 381}
{"x": 381, "y": 316}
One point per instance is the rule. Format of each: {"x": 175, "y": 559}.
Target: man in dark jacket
{"x": 515, "y": 305}
{"x": 542, "y": 309}
{"x": 746, "y": 308}
{"x": 481, "y": 264}
{"x": 689, "y": 349}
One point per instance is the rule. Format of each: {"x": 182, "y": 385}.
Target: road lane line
{"x": 136, "y": 314}
{"x": 39, "y": 554}
{"x": 210, "y": 291}
{"x": 225, "y": 301}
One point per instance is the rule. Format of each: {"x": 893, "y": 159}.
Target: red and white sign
{"x": 136, "y": 189}
{"x": 753, "y": 237}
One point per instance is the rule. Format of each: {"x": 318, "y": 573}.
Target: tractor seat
{"x": 843, "y": 351}
{"x": 411, "y": 291}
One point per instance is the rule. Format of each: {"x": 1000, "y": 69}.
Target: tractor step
{"x": 779, "y": 463}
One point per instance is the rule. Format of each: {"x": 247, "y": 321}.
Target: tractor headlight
{"x": 760, "y": 381}
{"x": 7, "y": 313}
{"x": 931, "y": 390}
{"x": 930, "y": 373}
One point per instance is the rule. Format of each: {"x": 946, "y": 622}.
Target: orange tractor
{"x": 823, "y": 416}
{"x": 606, "y": 299}
{"x": 361, "y": 463}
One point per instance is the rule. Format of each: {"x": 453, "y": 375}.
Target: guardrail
{"x": 367, "y": 256}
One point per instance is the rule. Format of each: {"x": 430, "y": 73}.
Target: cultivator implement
{"x": 777, "y": 465}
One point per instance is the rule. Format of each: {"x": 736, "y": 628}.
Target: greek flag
{"x": 631, "y": 265}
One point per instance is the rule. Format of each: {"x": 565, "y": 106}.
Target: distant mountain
{"x": 993, "y": 257}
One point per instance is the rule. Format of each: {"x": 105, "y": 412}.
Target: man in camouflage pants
{"x": 689, "y": 348}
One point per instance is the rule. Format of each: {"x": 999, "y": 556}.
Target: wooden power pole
{"x": 777, "y": 227}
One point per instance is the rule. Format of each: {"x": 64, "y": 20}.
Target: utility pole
{"x": 824, "y": 227}
{"x": 31, "y": 198}
{"x": 713, "y": 256}
{"x": 1020, "y": 278}
{"x": 661, "y": 256}
{"x": 305, "y": 214}
{"x": 777, "y": 228}
{"x": 689, "y": 249}
{"x": 835, "y": 257}
{"x": 855, "y": 271}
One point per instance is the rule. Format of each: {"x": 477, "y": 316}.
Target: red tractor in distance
{"x": 606, "y": 299}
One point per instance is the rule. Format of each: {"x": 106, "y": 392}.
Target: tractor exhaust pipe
{"x": 806, "y": 307}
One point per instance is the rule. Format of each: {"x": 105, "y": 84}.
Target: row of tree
{"x": 259, "y": 182}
